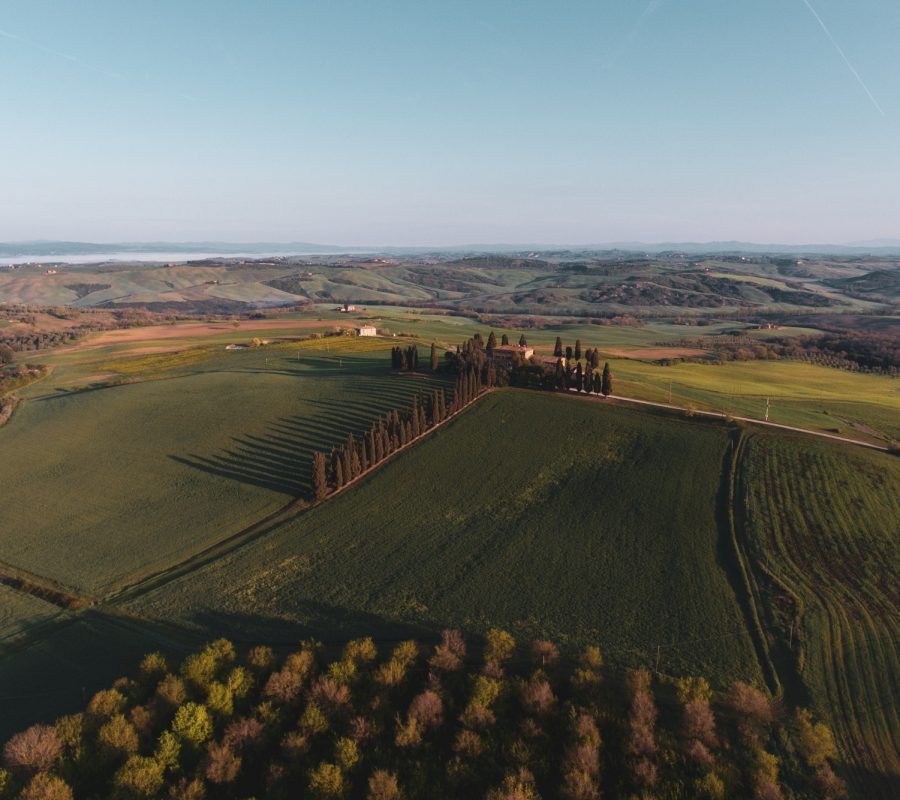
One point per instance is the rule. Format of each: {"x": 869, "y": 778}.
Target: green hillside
{"x": 821, "y": 524}
{"x": 531, "y": 512}
{"x": 201, "y": 445}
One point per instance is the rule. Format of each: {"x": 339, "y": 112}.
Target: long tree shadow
{"x": 280, "y": 458}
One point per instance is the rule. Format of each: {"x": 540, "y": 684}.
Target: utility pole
{"x": 767, "y": 409}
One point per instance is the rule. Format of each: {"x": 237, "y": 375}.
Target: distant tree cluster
{"x": 875, "y": 353}
{"x": 488, "y": 719}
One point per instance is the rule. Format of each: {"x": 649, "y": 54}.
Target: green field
{"x": 143, "y": 474}
{"x": 530, "y": 512}
{"x": 822, "y": 524}
{"x": 20, "y": 613}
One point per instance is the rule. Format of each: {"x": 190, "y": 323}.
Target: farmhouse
{"x": 367, "y": 330}
{"x": 348, "y": 309}
{"x": 505, "y": 354}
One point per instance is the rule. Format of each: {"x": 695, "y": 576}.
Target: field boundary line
{"x": 619, "y": 399}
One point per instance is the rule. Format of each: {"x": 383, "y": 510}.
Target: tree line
{"x": 395, "y": 430}
{"x": 488, "y": 718}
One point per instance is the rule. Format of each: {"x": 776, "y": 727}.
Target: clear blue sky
{"x": 450, "y": 121}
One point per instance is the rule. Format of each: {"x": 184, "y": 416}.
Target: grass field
{"x": 540, "y": 532}
{"x": 144, "y": 474}
{"x": 20, "y": 612}
{"x": 804, "y": 395}
{"x": 823, "y": 527}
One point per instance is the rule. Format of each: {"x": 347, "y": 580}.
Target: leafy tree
{"x": 606, "y": 385}
{"x": 192, "y": 724}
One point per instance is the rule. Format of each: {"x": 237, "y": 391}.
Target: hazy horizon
{"x": 420, "y": 125}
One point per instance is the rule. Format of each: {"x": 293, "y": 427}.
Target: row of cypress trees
{"x": 406, "y": 358}
{"x": 590, "y": 381}
{"x": 591, "y": 357}
{"x": 388, "y": 434}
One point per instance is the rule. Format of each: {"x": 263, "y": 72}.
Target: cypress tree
{"x": 434, "y": 358}
{"x": 373, "y": 450}
{"x": 491, "y": 342}
{"x": 595, "y": 359}
{"x": 423, "y": 421}
{"x": 578, "y": 349}
{"x": 559, "y": 377}
{"x": 338, "y": 471}
{"x": 363, "y": 455}
{"x": 504, "y": 340}
{"x": 579, "y": 377}
{"x": 597, "y": 383}
{"x": 415, "y": 357}
{"x": 568, "y": 352}
{"x": 319, "y": 484}
{"x": 569, "y": 380}
{"x": 379, "y": 444}
{"x": 523, "y": 342}
{"x": 352, "y": 458}
{"x": 414, "y": 419}
{"x": 557, "y": 349}
{"x": 606, "y": 382}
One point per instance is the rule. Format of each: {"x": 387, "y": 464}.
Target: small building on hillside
{"x": 366, "y": 330}
{"x": 347, "y": 308}
{"x": 505, "y": 354}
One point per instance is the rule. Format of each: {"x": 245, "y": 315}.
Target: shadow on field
{"x": 280, "y": 459}
{"x": 326, "y": 623}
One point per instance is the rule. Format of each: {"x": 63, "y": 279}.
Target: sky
{"x": 442, "y": 122}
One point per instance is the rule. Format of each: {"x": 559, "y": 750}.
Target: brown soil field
{"x": 194, "y": 329}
